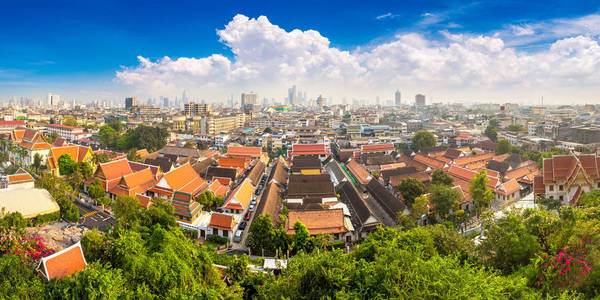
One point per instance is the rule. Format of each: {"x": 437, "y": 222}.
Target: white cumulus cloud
{"x": 268, "y": 59}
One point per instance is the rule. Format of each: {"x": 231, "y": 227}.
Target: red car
{"x": 247, "y": 216}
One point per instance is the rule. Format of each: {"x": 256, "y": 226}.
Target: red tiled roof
{"x": 13, "y": 123}
{"x": 308, "y": 149}
{"x": 115, "y": 169}
{"x": 232, "y": 162}
{"x": 218, "y": 189}
{"x": 253, "y": 152}
{"x": 575, "y": 198}
{"x": 538, "y": 185}
{"x": 64, "y": 126}
{"x": 377, "y": 148}
{"x": 63, "y": 263}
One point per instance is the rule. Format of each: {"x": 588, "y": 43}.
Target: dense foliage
{"x": 423, "y": 139}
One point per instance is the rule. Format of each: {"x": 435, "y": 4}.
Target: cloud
{"x": 385, "y": 16}
{"x": 522, "y": 30}
{"x": 268, "y": 59}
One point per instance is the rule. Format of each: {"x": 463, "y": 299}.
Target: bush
{"x": 47, "y": 218}
{"x": 336, "y": 245}
{"x": 213, "y": 238}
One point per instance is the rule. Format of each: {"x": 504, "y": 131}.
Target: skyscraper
{"x": 53, "y": 99}
{"x": 321, "y": 101}
{"x": 420, "y": 100}
{"x": 166, "y": 102}
{"x": 397, "y": 98}
{"x": 130, "y": 102}
{"x": 292, "y": 95}
{"x": 249, "y": 98}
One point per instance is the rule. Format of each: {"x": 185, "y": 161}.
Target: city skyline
{"x": 434, "y": 49}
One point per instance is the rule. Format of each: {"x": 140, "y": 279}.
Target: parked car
{"x": 251, "y": 208}
{"x": 253, "y": 202}
{"x": 242, "y": 225}
{"x": 247, "y": 216}
{"x": 237, "y": 237}
{"x": 257, "y": 192}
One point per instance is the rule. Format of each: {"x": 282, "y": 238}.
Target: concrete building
{"x": 420, "y": 100}
{"x": 197, "y": 109}
{"x": 218, "y": 124}
{"x": 397, "y": 98}
{"x": 130, "y": 102}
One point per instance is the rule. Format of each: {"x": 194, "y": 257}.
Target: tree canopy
{"x": 411, "y": 188}
{"x": 423, "y": 139}
{"x": 66, "y": 164}
{"x": 440, "y": 176}
{"x": 503, "y": 146}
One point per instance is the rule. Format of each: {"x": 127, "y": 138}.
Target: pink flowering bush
{"x": 565, "y": 270}
{"x": 29, "y": 248}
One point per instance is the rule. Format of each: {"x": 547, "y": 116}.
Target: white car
{"x": 251, "y": 208}
{"x": 237, "y": 237}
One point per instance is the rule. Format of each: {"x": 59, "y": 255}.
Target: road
{"x": 241, "y": 246}
{"x": 93, "y": 218}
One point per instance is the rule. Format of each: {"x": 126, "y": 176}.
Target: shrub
{"x": 47, "y": 218}
{"x": 213, "y": 238}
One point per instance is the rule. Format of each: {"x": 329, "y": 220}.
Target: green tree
{"x": 132, "y": 155}
{"x": 444, "y": 200}
{"x": 482, "y": 195}
{"x": 189, "y": 145}
{"x": 144, "y": 137}
{"x": 590, "y": 199}
{"x": 95, "y": 189}
{"x": 491, "y": 132}
{"x": 161, "y": 212}
{"x": 52, "y": 137}
{"x": 503, "y": 146}
{"x": 301, "y": 239}
{"x": 494, "y": 123}
{"x": 261, "y": 235}
{"x": 238, "y": 271}
{"x": 126, "y": 209}
{"x": 440, "y": 176}
{"x": 93, "y": 243}
{"x": 420, "y": 207}
{"x": 12, "y": 222}
{"x": 37, "y": 161}
{"x": 104, "y": 200}
{"x": 69, "y": 121}
{"x": 268, "y": 130}
{"x": 515, "y": 127}
{"x": 108, "y": 136}
{"x": 116, "y": 125}
{"x": 85, "y": 169}
{"x": 66, "y": 164}
{"x": 423, "y": 139}
{"x": 508, "y": 245}
{"x": 410, "y": 188}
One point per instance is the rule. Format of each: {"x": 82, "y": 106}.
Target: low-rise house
{"x": 62, "y": 263}
{"x": 239, "y": 199}
{"x": 362, "y": 217}
{"x": 310, "y": 187}
{"x": 361, "y": 175}
{"x": 326, "y": 221}
{"x": 26, "y": 144}
{"x": 76, "y": 152}
{"x": 566, "y": 177}
{"x": 320, "y": 151}
{"x": 222, "y": 224}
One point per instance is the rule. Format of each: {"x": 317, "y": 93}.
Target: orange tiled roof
{"x": 240, "y": 197}
{"x": 222, "y": 221}
{"x": 20, "y": 178}
{"x": 326, "y": 221}
{"x": 308, "y": 149}
{"x": 565, "y": 167}
{"x": 218, "y": 189}
{"x": 180, "y": 176}
{"x": 361, "y": 174}
{"x": 508, "y": 187}
{"x": 473, "y": 158}
{"x": 466, "y": 174}
{"x": 429, "y": 161}
{"x": 233, "y": 162}
{"x": 538, "y": 185}
{"x": 393, "y": 166}
{"x": 76, "y": 152}
{"x": 254, "y": 152}
{"x": 145, "y": 201}
{"x": 115, "y": 169}
{"x": 63, "y": 263}
{"x": 377, "y": 148}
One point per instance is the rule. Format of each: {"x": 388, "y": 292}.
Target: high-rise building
{"x": 130, "y": 102}
{"x": 397, "y": 98}
{"x": 165, "y": 102}
{"x": 320, "y": 101}
{"x": 420, "y": 100}
{"x": 197, "y": 109}
{"x": 292, "y": 95}
{"x": 249, "y": 98}
{"x": 53, "y": 99}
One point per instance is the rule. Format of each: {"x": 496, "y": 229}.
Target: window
{"x": 560, "y": 187}
{"x": 561, "y": 198}
{"x": 225, "y": 233}
{"x": 551, "y": 188}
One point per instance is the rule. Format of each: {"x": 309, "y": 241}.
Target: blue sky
{"x": 75, "y": 48}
